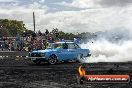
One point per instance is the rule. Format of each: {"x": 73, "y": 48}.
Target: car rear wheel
{"x": 79, "y": 57}
{"x": 52, "y": 59}
{"x": 37, "y": 62}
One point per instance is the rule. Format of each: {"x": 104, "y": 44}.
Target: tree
{"x": 11, "y": 27}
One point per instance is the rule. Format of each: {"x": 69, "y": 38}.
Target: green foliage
{"x": 63, "y": 35}
{"x": 11, "y": 27}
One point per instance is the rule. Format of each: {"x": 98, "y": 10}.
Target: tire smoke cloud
{"x": 110, "y": 46}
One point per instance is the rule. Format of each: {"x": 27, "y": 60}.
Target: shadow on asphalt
{"x": 46, "y": 64}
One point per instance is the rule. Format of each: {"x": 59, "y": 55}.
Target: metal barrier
{"x": 14, "y": 54}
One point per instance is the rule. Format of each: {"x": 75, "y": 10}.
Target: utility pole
{"x": 34, "y": 21}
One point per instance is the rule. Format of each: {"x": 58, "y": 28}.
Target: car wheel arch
{"x": 54, "y": 55}
{"x": 79, "y": 56}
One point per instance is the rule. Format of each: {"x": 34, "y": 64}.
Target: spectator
{"x": 33, "y": 34}
{"x": 65, "y": 46}
{"x": 47, "y": 32}
{"x": 45, "y": 44}
{"x": 10, "y": 46}
{"x": 1, "y": 47}
{"x": 62, "y": 40}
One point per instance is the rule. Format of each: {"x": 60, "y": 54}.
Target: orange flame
{"x": 81, "y": 71}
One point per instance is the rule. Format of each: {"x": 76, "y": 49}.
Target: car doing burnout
{"x": 59, "y": 52}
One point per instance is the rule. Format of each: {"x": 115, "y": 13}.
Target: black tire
{"x": 37, "y": 62}
{"x": 52, "y": 59}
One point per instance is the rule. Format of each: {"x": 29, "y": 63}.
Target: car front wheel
{"x": 52, "y": 59}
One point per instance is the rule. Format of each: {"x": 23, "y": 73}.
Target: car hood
{"x": 43, "y": 51}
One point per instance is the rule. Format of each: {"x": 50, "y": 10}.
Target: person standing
{"x": 9, "y": 46}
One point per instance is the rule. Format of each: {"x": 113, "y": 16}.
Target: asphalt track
{"x": 22, "y": 73}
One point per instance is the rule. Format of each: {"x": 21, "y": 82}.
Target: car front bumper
{"x": 38, "y": 58}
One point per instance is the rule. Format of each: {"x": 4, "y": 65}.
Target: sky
{"x": 70, "y": 15}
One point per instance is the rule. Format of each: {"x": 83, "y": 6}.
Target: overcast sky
{"x": 70, "y": 15}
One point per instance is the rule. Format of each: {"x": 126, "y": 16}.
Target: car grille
{"x": 37, "y": 55}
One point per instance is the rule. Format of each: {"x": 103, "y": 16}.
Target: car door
{"x": 63, "y": 52}
{"x": 80, "y": 51}
{"x": 67, "y": 52}
{"x": 71, "y": 51}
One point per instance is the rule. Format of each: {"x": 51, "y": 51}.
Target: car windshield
{"x": 55, "y": 45}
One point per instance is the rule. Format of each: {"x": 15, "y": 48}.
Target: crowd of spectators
{"x": 29, "y": 42}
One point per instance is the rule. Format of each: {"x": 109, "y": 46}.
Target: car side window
{"x": 71, "y": 46}
{"x": 65, "y": 46}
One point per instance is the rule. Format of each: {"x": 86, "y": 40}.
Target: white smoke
{"x": 103, "y": 50}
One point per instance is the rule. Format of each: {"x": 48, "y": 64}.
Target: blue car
{"x": 59, "y": 52}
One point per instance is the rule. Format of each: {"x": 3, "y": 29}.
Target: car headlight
{"x": 42, "y": 54}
